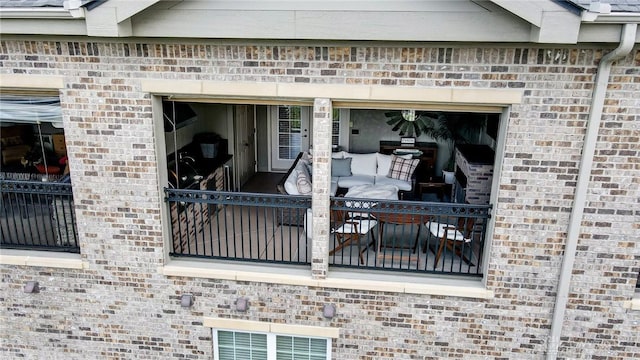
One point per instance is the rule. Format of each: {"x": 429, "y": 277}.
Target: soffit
{"x": 400, "y": 20}
{"x": 495, "y": 21}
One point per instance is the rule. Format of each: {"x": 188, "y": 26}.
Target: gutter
{"x": 612, "y": 18}
{"x": 627, "y": 41}
{"x": 599, "y": 12}
{"x": 71, "y": 9}
{"x": 41, "y": 13}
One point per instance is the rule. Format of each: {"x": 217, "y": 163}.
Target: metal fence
{"x": 239, "y": 226}
{"x": 405, "y": 236}
{"x": 37, "y": 215}
{"x": 408, "y": 236}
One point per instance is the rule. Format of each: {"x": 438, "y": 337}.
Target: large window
{"x": 235, "y": 345}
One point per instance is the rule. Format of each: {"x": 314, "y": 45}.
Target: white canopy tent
{"x": 30, "y": 110}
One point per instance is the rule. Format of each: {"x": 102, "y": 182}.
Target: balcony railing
{"x": 271, "y": 228}
{"x": 408, "y": 236}
{"x": 37, "y": 215}
{"x": 239, "y": 226}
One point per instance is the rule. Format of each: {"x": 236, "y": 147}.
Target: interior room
{"x": 32, "y": 139}
{"x": 252, "y": 147}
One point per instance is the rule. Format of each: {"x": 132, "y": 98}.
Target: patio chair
{"x": 453, "y": 237}
{"x": 350, "y": 229}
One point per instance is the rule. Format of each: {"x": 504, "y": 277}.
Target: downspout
{"x": 627, "y": 40}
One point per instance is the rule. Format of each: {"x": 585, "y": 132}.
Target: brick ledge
{"x": 41, "y": 258}
{"x": 341, "y": 279}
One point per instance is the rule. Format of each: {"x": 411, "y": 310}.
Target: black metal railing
{"x": 36, "y": 215}
{"x": 239, "y": 226}
{"x": 421, "y": 237}
{"x": 408, "y": 236}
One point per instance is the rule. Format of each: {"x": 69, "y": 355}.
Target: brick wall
{"x": 121, "y": 307}
{"x": 478, "y": 180}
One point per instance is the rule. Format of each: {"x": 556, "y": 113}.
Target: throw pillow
{"x": 384, "y": 163}
{"x": 303, "y": 184}
{"x": 363, "y": 164}
{"x": 402, "y": 169}
{"x": 340, "y": 167}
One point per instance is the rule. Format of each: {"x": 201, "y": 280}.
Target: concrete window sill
{"x": 41, "y": 258}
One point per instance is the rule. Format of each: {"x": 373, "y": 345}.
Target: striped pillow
{"x": 402, "y": 169}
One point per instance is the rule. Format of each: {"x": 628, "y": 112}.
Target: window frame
{"x": 271, "y": 338}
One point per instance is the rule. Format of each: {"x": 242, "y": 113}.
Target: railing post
{"x": 322, "y": 130}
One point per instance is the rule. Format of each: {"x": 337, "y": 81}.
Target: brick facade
{"x": 122, "y": 307}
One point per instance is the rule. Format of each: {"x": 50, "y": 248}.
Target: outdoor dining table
{"x": 395, "y": 219}
{"x": 382, "y": 192}
{"x": 372, "y": 191}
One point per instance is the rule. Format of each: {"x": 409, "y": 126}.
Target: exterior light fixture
{"x": 32, "y": 287}
{"x": 329, "y": 311}
{"x": 186, "y": 300}
{"x": 242, "y": 304}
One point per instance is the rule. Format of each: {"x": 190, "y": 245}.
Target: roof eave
{"x": 42, "y": 13}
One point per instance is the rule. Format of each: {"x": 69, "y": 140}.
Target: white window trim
{"x": 318, "y": 332}
{"x": 271, "y": 342}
